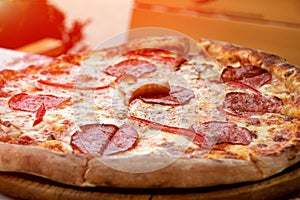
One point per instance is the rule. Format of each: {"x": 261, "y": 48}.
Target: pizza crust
{"x": 79, "y": 170}
{"x": 63, "y": 168}
{"x": 182, "y": 173}
{"x": 271, "y": 164}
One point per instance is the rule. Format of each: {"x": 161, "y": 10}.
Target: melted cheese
{"x": 107, "y": 106}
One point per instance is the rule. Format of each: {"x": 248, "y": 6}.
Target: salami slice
{"x": 258, "y": 81}
{"x": 224, "y": 132}
{"x": 244, "y": 103}
{"x": 122, "y": 140}
{"x": 93, "y": 138}
{"x": 248, "y": 74}
{"x": 162, "y": 55}
{"x": 32, "y": 103}
{"x": 133, "y": 67}
{"x": 104, "y": 139}
{"x": 177, "y": 96}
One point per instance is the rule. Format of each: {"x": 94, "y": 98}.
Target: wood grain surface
{"x": 285, "y": 185}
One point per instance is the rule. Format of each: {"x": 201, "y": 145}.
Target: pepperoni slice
{"x": 244, "y": 103}
{"x": 161, "y": 55}
{"x": 243, "y": 85}
{"x": 105, "y": 139}
{"x": 177, "y": 96}
{"x": 259, "y": 80}
{"x": 93, "y": 138}
{"x": 224, "y": 132}
{"x": 32, "y": 103}
{"x": 133, "y": 67}
{"x": 123, "y": 139}
{"x": 239, "y": 73}
{"x": 248, "y": 74}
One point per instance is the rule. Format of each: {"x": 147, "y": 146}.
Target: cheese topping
{"x": 163, "y": 98}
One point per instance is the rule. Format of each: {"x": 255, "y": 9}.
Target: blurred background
{"x": 53, "y": 27}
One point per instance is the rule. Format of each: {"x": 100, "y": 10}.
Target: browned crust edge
{"x": 188, "y": 173}
{"x": 82, "y": 171}
{"x": 287, "y": 73}
{"x": 277, "y": 65}
{"x": 64, "y": 168}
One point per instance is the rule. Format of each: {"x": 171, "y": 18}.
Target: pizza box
{"x": 268, "y": 10}
{"x": 241, "y": 24}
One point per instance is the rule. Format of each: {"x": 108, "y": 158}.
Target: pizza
{"x": 155, "y": 112}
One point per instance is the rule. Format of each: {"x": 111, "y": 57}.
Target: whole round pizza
{"x": 155, "y": 112}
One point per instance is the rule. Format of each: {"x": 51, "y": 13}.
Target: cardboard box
{"x": 228, "y": 22}
{"x": 287, "y": 11}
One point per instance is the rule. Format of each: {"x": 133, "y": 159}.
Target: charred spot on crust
{"x": 228, "y": 154}
{"x": 288, "y": 118}
{"x": 219, "y": 151}
{"x": 261, "y": 145}
{"x": 288, "y": 73}
{"x": 279, "y": 138}
{"x": 254, "y": 134}
{"x": 289, "y": 70}
{"x": 291, "y": 149}
{"x": 270, "y": 59}
{"x": 253, "y": 121}
{"x": 51, "y": 137}
{"x": 287, "y": 66}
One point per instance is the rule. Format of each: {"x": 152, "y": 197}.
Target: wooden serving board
{"x": 285, "y": 185}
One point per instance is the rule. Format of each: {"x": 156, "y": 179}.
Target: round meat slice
{"x": 32, "y": 103}
{"x": 244, "y": 103}
{"x": 104, "y": 139}
{"x": 223, "y": 132}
